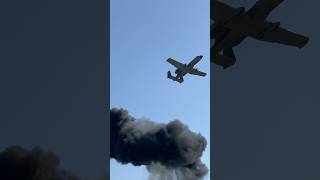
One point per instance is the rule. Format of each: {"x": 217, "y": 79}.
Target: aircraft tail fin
{"x": 180, "y": 80}
{"x": 225, "y": 60}
{"x": 169, "y": 75}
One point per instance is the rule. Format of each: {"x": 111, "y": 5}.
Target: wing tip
{"x": 304, "y": 42}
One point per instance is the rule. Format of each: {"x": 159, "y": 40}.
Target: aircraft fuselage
{"x": 233, "y": 25}
{"x": 183, "y": 71}
{"x": 237, "y": 29}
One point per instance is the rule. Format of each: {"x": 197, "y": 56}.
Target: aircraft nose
{"x": 201, "y": 56}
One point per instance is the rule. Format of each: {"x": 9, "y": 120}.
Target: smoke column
{"x": 170, "y": 151}
{"x": 17, "y": 163}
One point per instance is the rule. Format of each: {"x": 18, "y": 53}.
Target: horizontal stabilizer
{"x": 180, "y": 80}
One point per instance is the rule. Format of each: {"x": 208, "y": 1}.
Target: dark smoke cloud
{"x": 170, "y": 151}
{"x": 17, "y": 163}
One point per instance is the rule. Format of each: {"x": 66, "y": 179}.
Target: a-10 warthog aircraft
{"x": 183, "y": 69}
{"x": 230, "y": 26}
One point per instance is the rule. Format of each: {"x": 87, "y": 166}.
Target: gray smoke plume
{"x": 170, "y": 151}
{"x": 17, "y": 163}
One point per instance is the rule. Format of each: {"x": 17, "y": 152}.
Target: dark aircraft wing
{"x": 175, "y": 63}
{"x": 262, "y": 8}
{"x": 195, "y": 61}
{"x": 197, "y": 72}
{"x": 285, "y": 37}
{"x": 221, "y": 12}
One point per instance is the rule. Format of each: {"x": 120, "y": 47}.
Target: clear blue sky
{"x": 144, "y": 34}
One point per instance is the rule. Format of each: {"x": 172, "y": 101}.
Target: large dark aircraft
{"x": 230, "y": 26}
{"x": 183, "y": 69}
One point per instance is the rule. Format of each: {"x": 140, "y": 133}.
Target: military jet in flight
{"x": 183, "y": 69}
{"x": 230, "y": 26}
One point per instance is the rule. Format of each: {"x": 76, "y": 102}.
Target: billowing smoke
{"x": 170, "y": 151}
{"x": 17, "y": 163}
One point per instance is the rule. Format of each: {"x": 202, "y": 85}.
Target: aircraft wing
{"x": 197, "y": 72}
{"x": 175, "y": 63}
{"x": 195, "y": 61}
{"x": 221, "y": 12}
{"x": 285, "y": 37}
{"x": 262, "y": 8}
